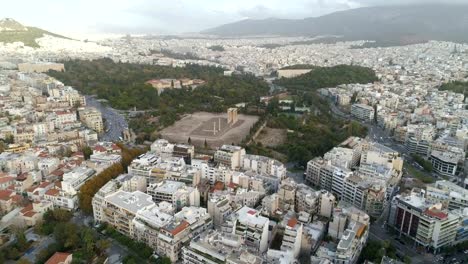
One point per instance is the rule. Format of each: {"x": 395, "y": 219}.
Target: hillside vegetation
{"x": 313, "y": 134}
{"x": 455, "y": 86}
{"x": 13, "y": 31}
{"x": 323, "y": 77}
{"x": 123, "y": 85}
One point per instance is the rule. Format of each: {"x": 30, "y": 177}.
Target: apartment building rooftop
{"x": 446, "y": 156}
{"x": 169, "y": 186}
{"x": 230, "y": 148}
{"x": 130, "y": 201}
{"x": 153, "y": 216}
{"x": 251, "y": 216}
{"x": 191, "y": 214}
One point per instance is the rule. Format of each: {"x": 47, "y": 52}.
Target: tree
{"x": 23, "y": 261}
{"x": 205, "y": 144}
{"x": 407, "y": 260}
{"x": 9, "y": 139}
{"x": 189, "y": 141}
{"x": 66, "y": 234}
{"x": 87, "y": 152}
{"x": 101, "y": 246}
{"x": 21, "y": 241}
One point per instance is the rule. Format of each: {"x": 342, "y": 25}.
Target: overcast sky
{"x": 167, "y": 16}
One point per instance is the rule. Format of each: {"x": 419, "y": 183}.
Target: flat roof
{"x": 130, "y": 201}
{"x": 169, "y": 186}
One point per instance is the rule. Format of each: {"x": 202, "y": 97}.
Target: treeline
{"x": 216, "y": 48}
{"x": 323, "y": 77}
{"x": 456, "y": 87}
{"x": 299, "y": 67}
{"x": 91, "y": 187}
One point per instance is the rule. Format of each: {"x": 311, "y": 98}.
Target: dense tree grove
{"x": 314, "y": 134}
{"x": 455, "y": 86}
{"x": 427, "y": 165}
{"x": 84, "y": 242}
{"x": 375, "y": 250}
{"x": 323, "y": 77}
{"x": 123, "y": 85}
{"x": 216, "y": 48}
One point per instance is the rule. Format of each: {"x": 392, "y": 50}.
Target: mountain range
{"x": 412, "y": 23}
{"x": 13, "y": 31}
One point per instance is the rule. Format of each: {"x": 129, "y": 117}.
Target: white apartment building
{"x": 74, "y": 179}
{"x": 214, "y": 247}
{"x": 263, "y": 165}
{"x": 363, "y": 112}
{"x": 120, "y": 208}
{"x": 248, "y": 223}
{"x": 105, "y": 158}
{"x": 292, "y": 238}
{"x": 231, "y": 156}
{"x": 219, "y": 208}
{"x": 92, "y": 118}
{"x": 188, "y": 223}
{"x": 445, "y": 163}
{"x": 428, "y": 224}
{"x": 176, "y": 193}
{"x": 449, "y": 194}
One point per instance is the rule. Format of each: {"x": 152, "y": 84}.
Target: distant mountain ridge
{"x": 13, "y": 31}
{"x": 413, "y": 23}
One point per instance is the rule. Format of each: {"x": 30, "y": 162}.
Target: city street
{"x": 115, "y": 123}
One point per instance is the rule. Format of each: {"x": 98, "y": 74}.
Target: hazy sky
{"x": 167, "y": 16}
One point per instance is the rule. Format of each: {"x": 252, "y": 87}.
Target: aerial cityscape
{"x": 252, "y": 132}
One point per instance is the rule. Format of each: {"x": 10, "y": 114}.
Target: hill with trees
{"x": 12, "y": 31}
{"x": 323, "y": 77}
{"x": 456, "y": 87}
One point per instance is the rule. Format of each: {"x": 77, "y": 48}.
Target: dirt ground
{"x": 196, "y": 126}
{"x": 272, "y": 137}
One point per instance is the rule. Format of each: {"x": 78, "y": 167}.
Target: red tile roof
{"x": 184, "y": 224}
{"x": 252, "y": 212}
{"x": 232, "y": 185}
{"x": 27, "y": 208}
{"x": 436, "y": 213}
{"x": 100, "y": 148}
{"x": 292, "y": 222}
{"x": 6, "y": 179}
{"x": 52, "y": 192}
{"x": 5, "y": 195}
{"x": 17, "y": 198}
{"x": 58, "y": 173}
{"x": 29, "y": 214}
{"x": 218, "y": 186}
{"x": 44, "y": 184}
{"x": 115, "y": 147}
{"x": 57, "y": 258}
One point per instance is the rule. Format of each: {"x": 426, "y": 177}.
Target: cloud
{"x": 174, "y": 16}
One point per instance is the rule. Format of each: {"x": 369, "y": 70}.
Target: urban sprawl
{"x": 231, "y": 206}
